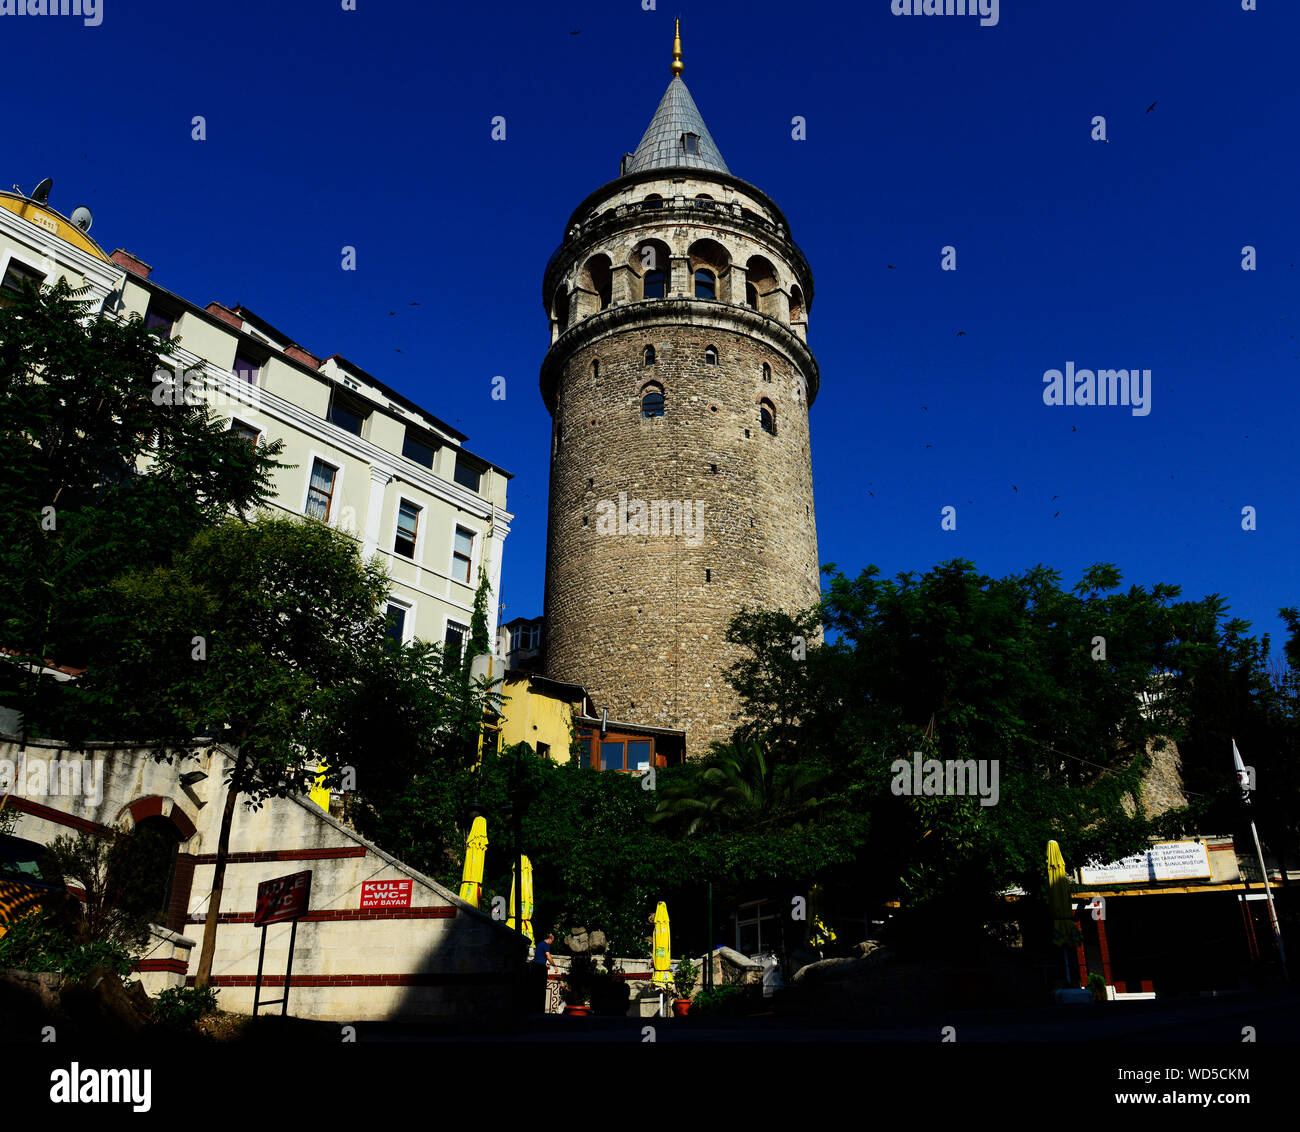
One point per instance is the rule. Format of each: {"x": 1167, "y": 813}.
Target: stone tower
{"x": 679, "y": 383}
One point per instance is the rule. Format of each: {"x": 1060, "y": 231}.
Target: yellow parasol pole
{"x": 1058, "y": 894}
{"x": 471, "y": 879}
{"x": 527, "y": 901}
{"x": 662, "y": 948}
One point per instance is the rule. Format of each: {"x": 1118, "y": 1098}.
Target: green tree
{"x": 99, "y": 477}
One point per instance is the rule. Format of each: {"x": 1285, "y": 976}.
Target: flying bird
{"x": 1057, "y": 515}
{"x": 960, "y": 333}
{"x": 1151, "y": 107}
{"x": 578, "y": 32}
{"x": 890, "y": 266}
{"x": 1015, "y": 489}
{"x": 398, "y": 351}
{"x": 413, "y": 304}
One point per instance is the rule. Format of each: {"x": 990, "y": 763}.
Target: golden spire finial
{"x": 678, "y": 66}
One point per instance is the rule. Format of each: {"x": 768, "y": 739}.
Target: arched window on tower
{"x": 767, "y": 372}
{"x": 767, "y": 416}
{"x": 710, "y": 355}
{"x": 751, "y": 296}
{"x": 652, "y": 401}
{"x": 595, "y": 370}
{"x": 706, "y": 284}
{"x": 648, "y": 355}
{"x": 654, "y": 284}
{"x": 654, "y": 200}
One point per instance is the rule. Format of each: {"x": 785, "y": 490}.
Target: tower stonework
{"x": 679, "y": 383}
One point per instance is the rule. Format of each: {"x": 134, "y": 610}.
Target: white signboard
{"x": 1170, "y": 860}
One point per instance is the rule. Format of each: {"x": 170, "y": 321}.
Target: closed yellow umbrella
{"x": 662, "y": 947}
{"x": 471, "y": 879}
{"x": 527, "y": 900}
{"x": 1058, "y": 895}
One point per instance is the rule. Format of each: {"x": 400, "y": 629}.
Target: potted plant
{"x": 1097, "y": 985}
{"x": 577, "y": 984}
{"x": 684, "y": 981}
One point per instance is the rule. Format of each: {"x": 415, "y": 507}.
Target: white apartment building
{"x": 367, "y": 460}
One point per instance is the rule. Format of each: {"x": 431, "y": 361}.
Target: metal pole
{"x": 708, "y": 942}
{"x": 257, "y": 987}
{"x": 288, "y": 971}
{"x": 1272, "y": 912}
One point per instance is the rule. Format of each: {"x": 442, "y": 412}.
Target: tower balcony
{"x": 679, "y": 211}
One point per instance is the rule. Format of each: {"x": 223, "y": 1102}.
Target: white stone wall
{"x": 441, "y": 956}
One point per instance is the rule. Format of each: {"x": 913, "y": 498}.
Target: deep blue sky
{"x": 372, "y": 128}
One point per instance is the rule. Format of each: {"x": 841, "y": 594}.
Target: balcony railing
{"x": 745, "y": 219}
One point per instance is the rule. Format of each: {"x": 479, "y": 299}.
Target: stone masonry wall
{"x": 640, "y": 619}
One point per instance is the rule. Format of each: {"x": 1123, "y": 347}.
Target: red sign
{"x": 282, "y": 899}
{"x": 385, "y": 894}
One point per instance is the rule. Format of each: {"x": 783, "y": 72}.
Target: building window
{"x": 161, "y": 321}
{"x": 244, "y": 431}
{"x": 584, "y": 752}
{"x": 320, "y": 493}
{"x": 453, "y": 642}
{"x": 691, "y": 143}
{"x": 654, "y": 284}
{"x": 467, "y": 475}
{"x": 418, "y": 448}
{"x": 19, "y": 275}
{"x": 706, "y": 285}
{"x": 751, "y": 295}
{"x": 767, "y": 417}
{"x": 618, "y": 752}
{"x": 246, "y": 369}
{"x": 525, "y": 637}
{"x": 408, "y": 526}
{"x": 648, "y": 356}
{"x": 595, "y": 370}
{"x": 652, "y": 402}
{"x": 654, "y": 200}
{"x": 758, "y": 928}
{"x": 462, "y": 556}
{"x": 767, "y": 372}
{"x": 396, "y": 621}
{"x": 544, "y": 750}
{"x": 347, "y": 413}
{"x": 710, "y": 355}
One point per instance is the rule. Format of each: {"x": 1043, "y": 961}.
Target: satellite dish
{"x": 81, "y": 217}
{"x": 42, "y": 192}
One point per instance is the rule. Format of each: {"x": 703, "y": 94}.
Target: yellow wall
{"x": 533, "y": 717}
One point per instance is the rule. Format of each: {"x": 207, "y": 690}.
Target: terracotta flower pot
{"x": 681, "y": 1007}
{"x": 580, "y": 1010}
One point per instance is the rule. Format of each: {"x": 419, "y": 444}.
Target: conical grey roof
{"x": 662, "y": 147}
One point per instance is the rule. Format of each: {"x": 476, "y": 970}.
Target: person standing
{"x": 542, "y": 963}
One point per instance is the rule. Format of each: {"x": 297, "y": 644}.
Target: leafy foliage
{"x": 120, "y": 875}
{"x": 47, "y": 941}
{"x": 99, "y": 479}
{"x": 181, "y": 1007}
